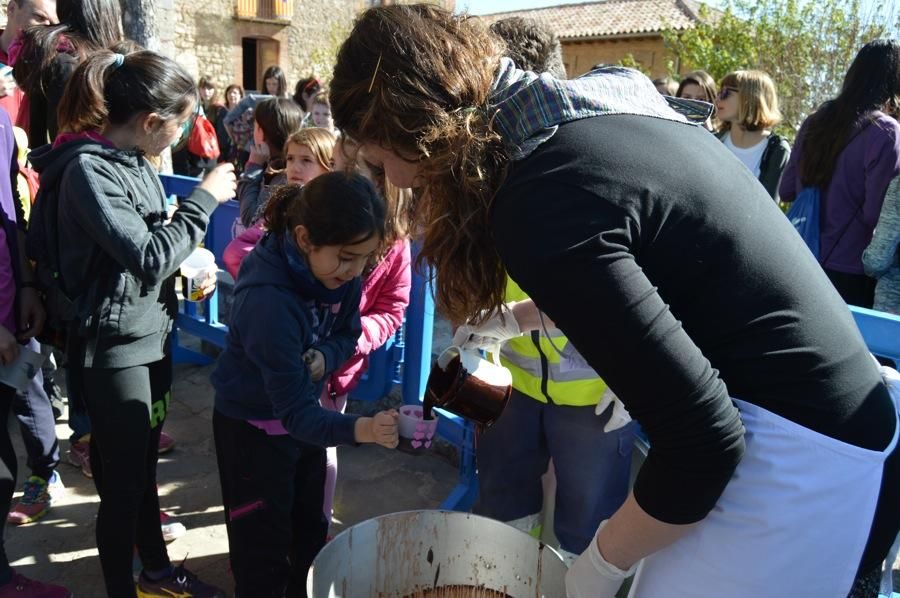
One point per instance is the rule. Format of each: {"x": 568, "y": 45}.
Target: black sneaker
{"x": 181, "y": 583}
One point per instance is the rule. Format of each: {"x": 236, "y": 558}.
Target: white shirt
{"x": 750, "y": 156}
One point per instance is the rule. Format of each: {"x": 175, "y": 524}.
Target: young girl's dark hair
{"x": 337, "y": 208}
{"x": 85, "y": 26}
{"x": 278, "y": 118}
{"x": 275, "y": 72}
{"x": 305, "y": 89}
{"x": 112, "y": 88}
{"x": 704, "y": 81}
{"x": 872, "y": 83}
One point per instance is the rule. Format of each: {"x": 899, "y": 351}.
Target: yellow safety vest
{"x": 535, "y": 366}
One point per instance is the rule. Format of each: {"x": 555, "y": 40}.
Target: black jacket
{"x": 117, "y": 253}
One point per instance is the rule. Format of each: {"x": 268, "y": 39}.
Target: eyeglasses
{"x": 726, "y": 91}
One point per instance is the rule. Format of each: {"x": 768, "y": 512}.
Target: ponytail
{"x": 275, "y": 214}
{"x": 113, "y": 88}
{"x": 336, "y": 208}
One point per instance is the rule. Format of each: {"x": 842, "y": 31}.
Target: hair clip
{"x": 118, "y": 60}
{"x": 374, "y": 74}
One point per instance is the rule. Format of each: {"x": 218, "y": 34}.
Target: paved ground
{"x": 61, "y": 547}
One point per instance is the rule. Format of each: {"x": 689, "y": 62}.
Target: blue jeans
{"x": 38, "y": 426}
{"x": 592, "y": 467}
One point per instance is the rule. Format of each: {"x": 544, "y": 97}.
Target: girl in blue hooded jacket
{"x": 295, "y": 320}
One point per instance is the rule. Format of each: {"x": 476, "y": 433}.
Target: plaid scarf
{"x": 528, "y": 107}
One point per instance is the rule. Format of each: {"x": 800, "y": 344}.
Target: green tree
{"x": 805, "y": 45}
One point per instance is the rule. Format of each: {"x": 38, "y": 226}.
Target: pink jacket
{"x": 385, "y": 295}
{"x": 240, "y": 246}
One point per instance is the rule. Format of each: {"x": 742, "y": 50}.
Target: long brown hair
{"x": 872, "y": 83}
{"x": 396, "y": 199}
{"x": 416, "y": 79}
{"x": 111, "y": 88}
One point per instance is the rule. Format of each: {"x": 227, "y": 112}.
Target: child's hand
{"x": 221, "y": 182}
{"x": 315, "y": 361}
{"x": 259, "y": 153}
{"x": 385, "y": 429}
{"x": 9, "y": 348}
{"x": 208, "y": 286}
{"x": 381, "y": 429}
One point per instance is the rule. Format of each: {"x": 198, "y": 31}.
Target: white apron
{"x": 792, "y": 522}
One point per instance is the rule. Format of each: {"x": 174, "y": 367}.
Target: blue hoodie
{"x": 274, "y": 320}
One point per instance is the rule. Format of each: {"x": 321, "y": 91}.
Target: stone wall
{"x": 208, "y": 37}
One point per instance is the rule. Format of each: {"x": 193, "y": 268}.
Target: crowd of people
{"x": 642, "y": 233}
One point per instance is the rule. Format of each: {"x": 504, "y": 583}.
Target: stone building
{"x": 609, "y": 31}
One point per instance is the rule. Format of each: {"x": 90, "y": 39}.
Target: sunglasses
{"x": 726, "y": 92}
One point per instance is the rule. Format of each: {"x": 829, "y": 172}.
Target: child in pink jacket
{"x": 307, "y": 154}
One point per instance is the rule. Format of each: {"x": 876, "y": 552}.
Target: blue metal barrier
{"x": 880, "y": 330}
{"x": 199, "y": 320}
{"x": 406, "y": 358}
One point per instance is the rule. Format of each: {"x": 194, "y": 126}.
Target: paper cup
{"x": 194, "y": 270}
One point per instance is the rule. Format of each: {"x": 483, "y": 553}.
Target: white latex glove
{"x": 620, "y": 416}
{"x": 592, "y": 577}
{"x": 496, "y": 330}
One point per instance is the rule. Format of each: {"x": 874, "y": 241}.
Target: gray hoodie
{"x": 117, "y": 253}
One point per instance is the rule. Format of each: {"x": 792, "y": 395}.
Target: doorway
{"x": 257, "y": 54}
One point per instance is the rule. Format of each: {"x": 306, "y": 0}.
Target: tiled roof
{"x": 611, "y": 18}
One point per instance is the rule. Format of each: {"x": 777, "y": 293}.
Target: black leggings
{"x": 127, "y": 408}
{"x": 8, "y": 469}
{"x": 272, "y": 490}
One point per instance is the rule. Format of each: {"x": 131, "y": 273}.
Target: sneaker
{"x": 181, "y": 583}
{"x": 171, "y": 529}
{"x": 56, "y": 400}
{"x": 35, "y": 502}
{"x": 166, "y": 443}
{"x": 80, "y": 456}
{"x": 22, "y": 587}
{"x": 55, "y": 483}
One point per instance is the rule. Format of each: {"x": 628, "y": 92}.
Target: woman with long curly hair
{"x": 677, "y": 278}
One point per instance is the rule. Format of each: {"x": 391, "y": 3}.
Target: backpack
{"x": 42, "y": 247}
{"x": 804, "y": 215}
{"x": 202, "y": 140}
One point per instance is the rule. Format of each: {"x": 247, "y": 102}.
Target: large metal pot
{"x": 395, "y": 555}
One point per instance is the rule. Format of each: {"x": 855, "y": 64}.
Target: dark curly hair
{"x": 531, "y": 45}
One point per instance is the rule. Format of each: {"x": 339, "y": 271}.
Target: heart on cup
{"x": 420, "y": 427}
{"x": 428, "y": 444}
{"x": 419, "y": 435}
{"x": 418, "y": 443}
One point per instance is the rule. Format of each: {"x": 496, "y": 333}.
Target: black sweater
{"x": 682, "y": 284}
